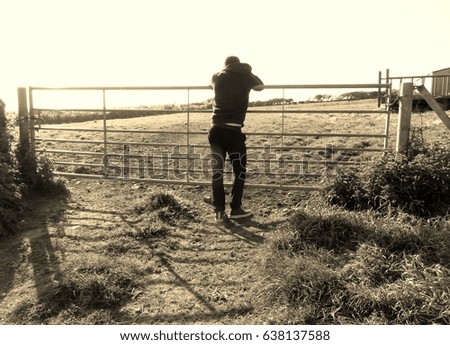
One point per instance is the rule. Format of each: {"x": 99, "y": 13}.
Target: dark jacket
{"x": 231, "y": 88}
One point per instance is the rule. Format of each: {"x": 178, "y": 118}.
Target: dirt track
{"x": 200, "y": 272}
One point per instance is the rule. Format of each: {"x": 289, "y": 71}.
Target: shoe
{"x": 239, "y": 213}
{"x": 220, "y": 216}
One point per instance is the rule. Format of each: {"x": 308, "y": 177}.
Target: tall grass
{"x": 333, "y": 266}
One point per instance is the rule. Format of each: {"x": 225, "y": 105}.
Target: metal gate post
{"x": 404, "y": 117}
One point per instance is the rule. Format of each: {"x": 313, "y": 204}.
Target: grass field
{"x": 310, "y": 148}
{"x": 129, "y": 252}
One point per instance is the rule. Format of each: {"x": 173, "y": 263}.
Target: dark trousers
{"x": 227, "y": 142}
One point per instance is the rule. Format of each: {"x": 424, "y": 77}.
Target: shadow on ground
{"x": 31, "y": 253}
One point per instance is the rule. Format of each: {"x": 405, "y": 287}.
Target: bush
{"x": 36, "y": 173}
{"x": 417, "y": 182}
{"x": 10, "y": 196}
{"x": 46, "y": 182}
{"x": 4, "y": 135}
{"x": 19, "y": 174}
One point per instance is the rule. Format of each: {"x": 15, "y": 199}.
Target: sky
{"x": 180, "y": 42}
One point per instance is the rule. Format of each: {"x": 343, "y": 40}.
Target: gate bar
{"x": 191, "y": 183}
{"x": 204, "y": 133}
{"x": 208, "y": 111}
{"x": 299, "y": 86}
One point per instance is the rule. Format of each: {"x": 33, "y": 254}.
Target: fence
{"x": 157, "y": 148}
{"x": 438, "y": 84}
{"x": 413, "y": 94}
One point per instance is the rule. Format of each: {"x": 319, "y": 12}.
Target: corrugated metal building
{"x": 441, "y": 85}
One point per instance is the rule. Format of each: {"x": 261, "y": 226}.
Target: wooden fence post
{"x": 404, "y": 117}
{"x": 24, "y": 129}
{"x": 26, "y": 156}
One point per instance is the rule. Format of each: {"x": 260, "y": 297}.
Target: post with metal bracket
{"x": 404, "y": 117}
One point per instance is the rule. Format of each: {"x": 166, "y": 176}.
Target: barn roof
{"x": 442, "y": 70}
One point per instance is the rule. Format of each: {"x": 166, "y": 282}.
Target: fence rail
{"x": 439, "y": 84}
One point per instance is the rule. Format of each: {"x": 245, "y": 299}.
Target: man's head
{"x": 231, "y": 59}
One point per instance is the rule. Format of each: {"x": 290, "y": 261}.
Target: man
{"x": 231, "y": 88}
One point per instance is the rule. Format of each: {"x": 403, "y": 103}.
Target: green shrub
{"x": 11, "y": 204}
{"x": 10, "y": 196}
{"x": 417, "y": 183}
{"x": 19, "y": 174}
{"x": 4, "y": 135}
{"x": 46, "y": 181}
{"x": 36, "y": 173}
{"x": 26, "y": 165}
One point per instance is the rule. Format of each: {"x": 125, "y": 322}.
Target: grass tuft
{"x": 150, "y": 227}
{"x": 162, "y": 200}
{"x": 329, "y": 231}
{"x": 78, "y": 295}
{"x": 169, "y": 208}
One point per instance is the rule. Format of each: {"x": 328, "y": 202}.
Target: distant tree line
{"x": 348, "y": 96}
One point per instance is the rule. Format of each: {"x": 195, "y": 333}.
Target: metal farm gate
{"x": 167, "y": 143}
